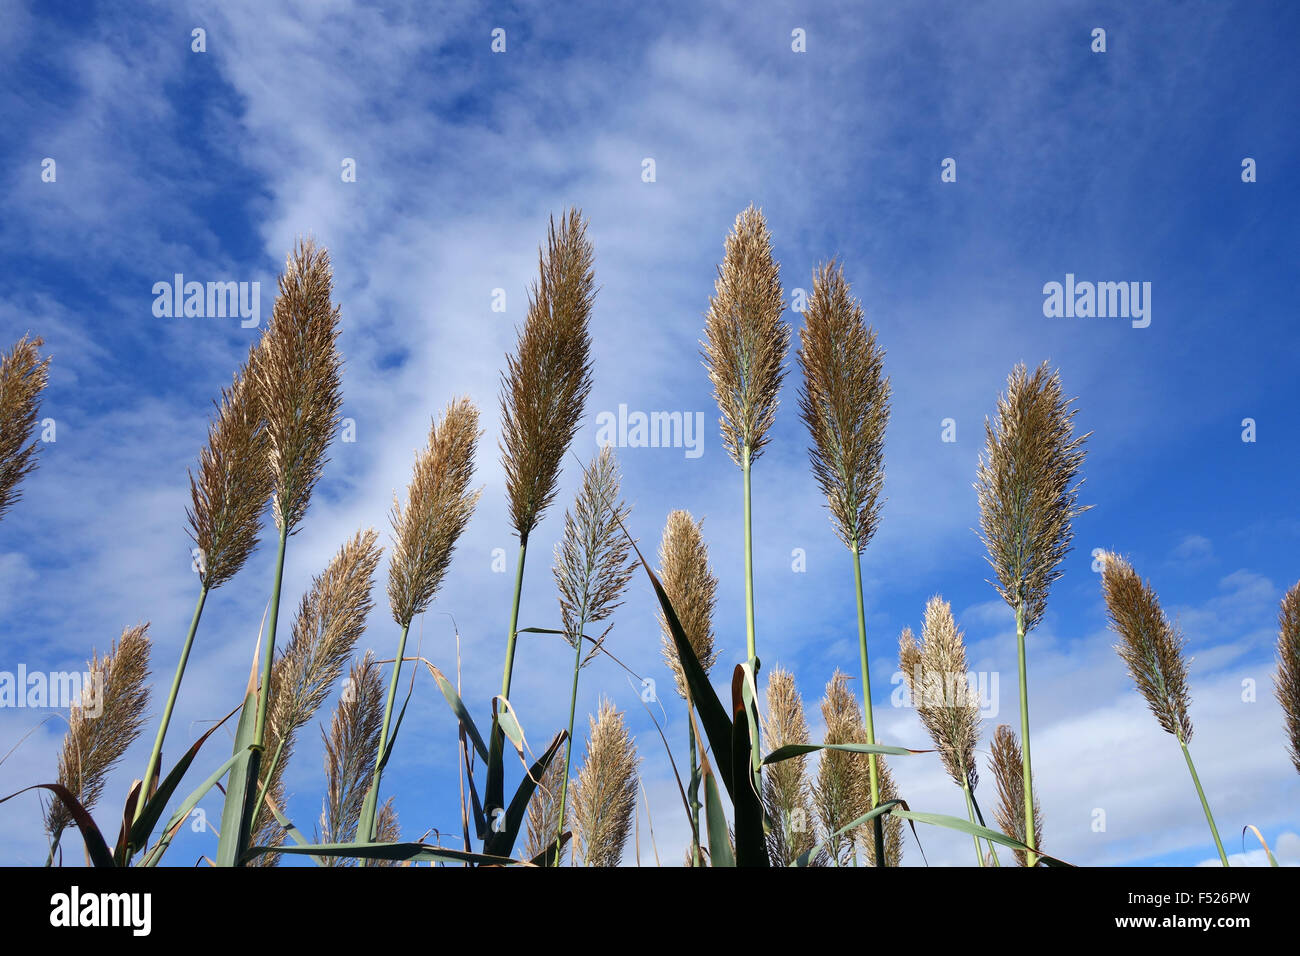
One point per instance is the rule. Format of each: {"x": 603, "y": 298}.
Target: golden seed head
{"x": 296, "y": 376}
{"x": 1028, "y": 495}
{"x": 351, "y": 746}
{"x": 787, "y": 795}
{"x": 545, "y": 385}
{"x": 387, "y": 830}
{"x": 940, "y": 688}
{"x": 844, "y": 401}
{"x": 604, "y": 795}
{"x": 23, "y": 376}
{"x": 592, "y": 568}
{"x": 439, "y": 506}
{"x": 544, "y": 812}
{"x": 692, "y": 589}
{"x": 1149, "y": 644}
{"x": 232, "y": 486}
{"x": 1008, "y": 777}
{"x": 842, "y": 778}
{"x": 330, "y": 620}
{"x": 1287, "y": 681}
{"x": 104, "y": 723}
{"x": 745, "y": 340}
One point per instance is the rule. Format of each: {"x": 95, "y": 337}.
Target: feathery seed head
{"x": 692, "y": 589}
{"x": 544, "y": 812}
{"x": 844, "y": 401}
{"x": 232, "y": 485}
{"x": 787, "y": 796}
{"x": 350, "y": 750}
{"x": 1287, "y": 681}
{"x": 99, "y": 734}
{"x": 592, "y": 568}
{"x": 330, "y": 620}
{"x": 295, "y": 373}
{"x": 439, "y": 506}
{"x": 545, "y": 385}
{"x": 1150, "y": 645}
{"x": 745, "y": 340}
{"x": 1008, "y": 776}
{"x": 23, "y": 376}
{"x": 1027, "y": 490}
{"x": 842, "y": 777}
{"x": 940, "y": 688}
{"x": 604, "y": 795}
{"x": 387, "y": 830}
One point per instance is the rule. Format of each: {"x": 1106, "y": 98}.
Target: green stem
{"x": 511, "y": 635}
{"x": 756, "y": 763}
{"x": 388, "y": 718}
{"x": 1031, "y": 859}
{"x": 1204, "y": 803}
{"x": 155, "y": 756}
{"x": 878, "y": 825}
{"x": 568, "y": 750}
{"x": 253, "y": 772}
{"x": 264, "y": 787}
{"x": 749, "y": 565}
{"x": 268, "y": 646}
{"x": 979, "y": 816}
{"x": 970, "y": 815}
{"x": 693, "y": 797}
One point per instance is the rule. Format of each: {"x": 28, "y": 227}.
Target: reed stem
{"x": 878, "y": 825}
{"x": 749, "y": 569}
{"x": 979, "y": 815}
{"x": 155, "y": 756}
{"x": 511, "y": 636}
{"x": 1204, "y": 803}
{"x": 254, "y": 769}
{"x": 693, "y": 796}
{"x": 388, "y": 717}
{"x": 268, "y": 645}
{"x": 970, "y": 815}
{"x": 568, "y": 750}
{"x": 1031, "y": 858}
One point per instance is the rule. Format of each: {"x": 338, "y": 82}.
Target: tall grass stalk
{"x": 936, "y": 677}
{"x": 1153, "y": 650}
{"x": 439, "y": 505}
{"x": 544, "y": 391}
{"x": 844, "y": 401}
{"x": 692, "y": 590}
{"x": 295, "y": 375}
{"x": 1028, "y": 498}
{"x": 1026, "y": 766}
{"x": 592, "y": 570}
{"x": 605, "y": 790}
{"x": 744, "y": 352}
{"x": 102, "y": 726}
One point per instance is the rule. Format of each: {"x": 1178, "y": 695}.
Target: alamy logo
{"x": 976, "y": 689}
{"x": 58, "y": 689}
{"x": 654, "y": 430}
{"x": 1104, "y": 300}
{"x": 213, "y": 300}
{"x": 74, "y": 908}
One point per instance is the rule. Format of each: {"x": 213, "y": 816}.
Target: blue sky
{"x": 1115, "y": 166}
